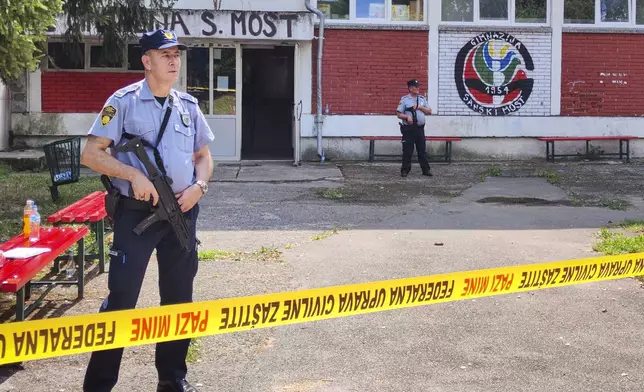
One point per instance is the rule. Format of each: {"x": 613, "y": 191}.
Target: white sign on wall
{"x": 240, "y": 25}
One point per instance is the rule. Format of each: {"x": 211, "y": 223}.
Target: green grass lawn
{"x": 17, "y": 187}
{"x": 630, "y": 240}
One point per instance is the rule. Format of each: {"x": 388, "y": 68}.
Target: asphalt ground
{"x": 350, "y": 223}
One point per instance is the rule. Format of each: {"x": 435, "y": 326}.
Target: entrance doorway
{"x": 267, "y": 102}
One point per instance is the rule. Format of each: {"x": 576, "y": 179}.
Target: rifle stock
{"x": 167, "y": 208}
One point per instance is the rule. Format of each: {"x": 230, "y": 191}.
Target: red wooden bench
{"x": 89, "y": 210}
{"x": 16, "y": 274}
{"x": 447, "y": 157}
{"x": 550, "y": 145}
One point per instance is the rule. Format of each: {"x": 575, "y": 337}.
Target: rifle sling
{"x": 164, "y": 124}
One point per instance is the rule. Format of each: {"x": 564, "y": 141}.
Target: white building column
{"x": 434, "y": 15}
{"x": 556, "y": 21}
{"x": 34, "y": 92}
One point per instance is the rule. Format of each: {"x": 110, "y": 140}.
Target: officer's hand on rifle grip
{"x": 143, "y": 189}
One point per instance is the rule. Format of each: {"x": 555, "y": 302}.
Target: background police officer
{"x": 412, "y": 110}
{"x": 139, "y": 110}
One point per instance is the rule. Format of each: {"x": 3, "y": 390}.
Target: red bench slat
{"x": 90, "y": 208}
{"x": 55, "y": 217}
{"x": 584, "y": 138}
{"x": 16, "y": 272}
{"x": 433, "y": 138}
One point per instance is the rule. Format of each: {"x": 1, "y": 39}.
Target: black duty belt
{"x": 133, "y": 204}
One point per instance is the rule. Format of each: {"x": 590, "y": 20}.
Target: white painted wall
{"x": 459, "y": 126}
{"x": 509, "y": 137}
{"x": 478, "y": 149}
{"x": 471, "y": 126}
{"x": 34, "y": 95}
{"x": 539, "y": 47}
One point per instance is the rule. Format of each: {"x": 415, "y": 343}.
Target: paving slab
{"x": 277, "y": 172}
{"x": 514, "y": 188}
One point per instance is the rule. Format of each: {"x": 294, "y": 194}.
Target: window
{"x": 65, "y": 56}
{"x": 606, "y": 12}
{"x": 134, "y": 62}
{"x": 373, "y": 10}
{"x": 531, "y": 11}
{"x": 639, "y": 12}
{"x": 614, "y": 10}
{"x": 458, "y": 11}
{"x": 495, "y": 11}
{"x": 224, "y": 71}
{"x": 97, "y": 59}
{"x": 88, "y": 56}
{"x": 211, "y": 79}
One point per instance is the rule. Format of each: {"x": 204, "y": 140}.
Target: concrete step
{"x": 24, "y": 160}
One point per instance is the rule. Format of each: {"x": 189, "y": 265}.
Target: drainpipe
{"x": 318, "y": 113}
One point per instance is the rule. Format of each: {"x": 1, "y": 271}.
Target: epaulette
{"x": 127, "y": 89}
{"x": 187, "y": 97}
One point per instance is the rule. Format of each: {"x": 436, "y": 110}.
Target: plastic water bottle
{"x": 70, "y": 267}
{"x": 26, "y": 218}
{"x": 34, "y": 234}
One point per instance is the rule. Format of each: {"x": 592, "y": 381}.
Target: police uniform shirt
{"x": 135, "y": 110}
{"x": 408, "y": 102}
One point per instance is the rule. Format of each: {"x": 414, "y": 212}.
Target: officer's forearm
{"x": 203, "y": 165}
{"x": 97, "y": 159}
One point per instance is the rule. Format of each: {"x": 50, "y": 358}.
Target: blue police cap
{"x": 159, "y": 39}
{"x": 413, "y": 82}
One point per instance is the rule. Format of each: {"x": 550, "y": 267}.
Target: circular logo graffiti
{"x": 491, "y": 74}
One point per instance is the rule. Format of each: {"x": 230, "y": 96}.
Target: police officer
{"x": 139, "y": 110}
{"x": 412, "y": 110}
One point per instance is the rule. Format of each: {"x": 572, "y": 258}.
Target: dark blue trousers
{"x": 129, "y": 257}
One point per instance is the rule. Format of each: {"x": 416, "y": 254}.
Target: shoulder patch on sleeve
{"x": 187, "y": 97}
{"x": 107, "y": 114}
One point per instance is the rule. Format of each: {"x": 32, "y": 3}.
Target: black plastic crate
{"x": 63, "y": 160}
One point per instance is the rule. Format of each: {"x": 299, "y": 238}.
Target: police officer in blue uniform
{"x": 412, "y": 110}
{"x": 183, "y": 147}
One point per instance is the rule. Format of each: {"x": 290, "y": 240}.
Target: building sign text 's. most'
{"x": 230, "y": 25}
{"x": 240, "y": 24}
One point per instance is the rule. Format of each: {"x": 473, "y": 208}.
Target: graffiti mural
{"x": 492, "y": 74}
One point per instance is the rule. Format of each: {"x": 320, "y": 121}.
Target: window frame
{"x": 211, "y": 80}
{"x": 88, "y": 43}
{"x": 631, "y": 23}
{"x": 353, "y": 19}
{"x": 511, "y": 21}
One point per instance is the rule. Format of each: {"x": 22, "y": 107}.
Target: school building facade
{"x": 497, "y": 73}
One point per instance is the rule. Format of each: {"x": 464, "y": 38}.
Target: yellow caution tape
{"x": 30, "y": 340}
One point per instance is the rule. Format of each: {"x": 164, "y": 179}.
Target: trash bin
{"x": 63, "y": 160}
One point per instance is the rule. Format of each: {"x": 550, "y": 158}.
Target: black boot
{"x": 175, "y": 386}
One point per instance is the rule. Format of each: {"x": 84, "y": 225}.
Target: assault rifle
{"x": 167, "y": 208}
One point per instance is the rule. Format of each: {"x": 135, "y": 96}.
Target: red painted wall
{"x": 602, "y": 74}
{"x": 366, "y": 71}
{"x": 81, "y": 92}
